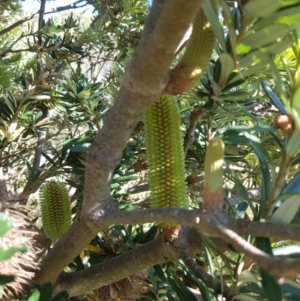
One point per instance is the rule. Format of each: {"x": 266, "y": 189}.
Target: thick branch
{"x": 156, "y": 9}
{"x": 65, "y": 250}
{"x": 112, "y": 270}
{"x": 145, "y": 79}
{"x": 80, "y": 234}
{"x": 202, "y": 221}
{"x": 133, "y": 261}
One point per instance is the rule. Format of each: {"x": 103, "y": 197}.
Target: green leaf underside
{"x": 165, "y": 154}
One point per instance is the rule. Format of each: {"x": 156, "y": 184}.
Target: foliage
{"x": 44, "y": 292}
{"x": 58, "y": 83}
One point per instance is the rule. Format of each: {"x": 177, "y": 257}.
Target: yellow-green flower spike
{"x": 162, "y": 121}
{"x": 165, "y": 154}
{"x": 213, "y": 193}
{"x": 196, "y": 57}
{"x": 55, "y": 209}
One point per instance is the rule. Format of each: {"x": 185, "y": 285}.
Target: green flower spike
{"x": 196, "y": 57}
{"x": 213, "y": 192}
{"x": 55, "y": 209}
{"x": 162, "y": 121}
{"x": 165, "y": 154}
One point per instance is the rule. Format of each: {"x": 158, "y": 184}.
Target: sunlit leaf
{"x": 260, "y": 9}
{"x": 286, "y": 211}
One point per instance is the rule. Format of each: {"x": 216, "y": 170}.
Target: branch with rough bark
{"x": 145, "y": 79}
{"x": 208, "y": 223}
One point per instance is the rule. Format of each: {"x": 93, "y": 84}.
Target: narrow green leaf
{"x": 293, "y": 186}
{"x": 49, "y": 159}
{"x": 217, "y": 71}
{"x": 260, "y": 9}
{"x": 261, "y": 55}
{"x": 291, "y": 287}
{"x": 241, "y": 208}
{"x": 253, "y": 288}
{"x": 241, "y": 48}
{"x": 227, "y": 65}
{"x": 287, "y": 210}
{"x": 6, "y": 254}
{"x": 80, "y": 147}
{"x": 286, "y": 15}
{"x": 293, "y": 145}
{"x": 266, "y": 35}
{"x": 170, "y": 297}
{"x": 213, "y": 20}
{"x": 273, "y": 97}
{"x": 293, "y": 251}
{"x": 202, "y": 287}
{"x": 266, "y": 179}
{"x": 241, "y": 297}
{"x": 248, "y": 72}
{"x": 233, "y": 84}
{"x": 46, "y": 291}
{"x": 271, "y": 287}
{"x": 35, "y": 296}
{"x": 160, "y": 273}
{"x": 279, "y": 83}
{"x": 31, "y": 170}
{"x": 247, "y": 277}
{"x": 180, "y": 288}
{"x": 124, "y": 179}
{"x": 243, "y": 192}
{"x": 208, "y": 258}
{"x": 6, "y": 279}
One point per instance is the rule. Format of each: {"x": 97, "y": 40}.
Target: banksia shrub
{"x": 55, "y": 209}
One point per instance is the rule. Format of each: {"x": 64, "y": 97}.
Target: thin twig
{"x": 38, "y": 152}
{"x": 279, "y": 267}
{"x": 8, "y": 50}
{"x": 66, "y": 7}
{"x": 16, "y": 24}
{"x": 200, "y": 273}
{"x": 40, "y": 38}
{"x": 3, "y": 187}
{"x": 189, "y": 136}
